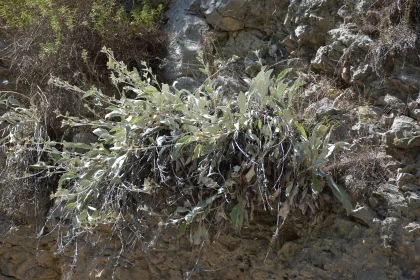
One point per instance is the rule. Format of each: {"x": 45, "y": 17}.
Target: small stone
{"x": 325, "y": 108}
{"x": 405, "y": 178}
{"x": 403, "y": 133}
{"x": 187, "y": 83}
{"x": 365, "y": 214}
{"x": 410, "y": 188}
{"x": 252, "y": 67}
{"x": 345, "y": 74}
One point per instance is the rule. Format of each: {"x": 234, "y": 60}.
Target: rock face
{"x": 380, "y": 240}
{"x": 381, "y": 237}
{"x": 186, "y": 30}
{"x": 319, "y": 35}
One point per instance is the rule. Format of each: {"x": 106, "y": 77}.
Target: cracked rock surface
{"x": 381, "y": 237}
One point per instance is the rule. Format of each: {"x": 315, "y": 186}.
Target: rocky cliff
{"x": 362, "y": 70}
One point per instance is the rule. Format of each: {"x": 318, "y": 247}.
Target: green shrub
{"x": 108, "y": 17}
{"x": 185, "y": 157}
{"x": 49, "y": 36}
{"x": 65, "y": 14}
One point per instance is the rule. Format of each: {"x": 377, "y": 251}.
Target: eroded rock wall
{"x": 379, "y": 240}
{"x": 323, "y": 36}
{"x": 366, "y": 245}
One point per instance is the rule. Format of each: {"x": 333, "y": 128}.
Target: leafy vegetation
{"x": 65, "y": 37}
{"x": 185, "y": 158}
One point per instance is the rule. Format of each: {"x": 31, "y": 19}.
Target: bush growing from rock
{"x": 186, "y": 158}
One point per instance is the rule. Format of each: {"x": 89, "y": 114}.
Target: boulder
{"x": 185, "y": 30}
{"x": 404, "y": 133}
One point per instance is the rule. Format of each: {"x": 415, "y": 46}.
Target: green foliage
{"x": 26, "y": 13}
{"x": 237, "y": 215}
{"x": 21, "y": 124}
{"x": 21, "y": 13}
{"x": 103, "y": 14}
{"x": 108, "y": 17}
{"x": 57, "y": 32}
{"x": 187, "y": 156}
{"x": 313, "y": 153}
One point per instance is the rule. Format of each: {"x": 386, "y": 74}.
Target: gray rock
{"x": 302, "y": 34}
{"x": 230, "y": 81}
{"x": 243, "y": 44}
{"x": 373, "y": 273}
{"x": 412, "y": 169}
{"x": 322, "y": 62}
{"x": 413, "y": 228}
{"x": 361, "y": 74}
{"x": 57, "y": 212}
{"x": 225, "y": 14}
{"x": 414, "y": 107}
{"x": 252, "y": 67}
{"x": 185, "y": 30}
{"x": 404, "y": 178}
{"x": 398, "y": 206}
{"x": 413, "y": 200}
{"x": 416, "y": 114}
{"x": 234, "y": 15}
{"x": 407, "y": 83}
{"x": 392, "y": 102}
{"x": 342, "y": 35}
{"x": 338, "y": 46}
{"x": 403, "y": 133}
{"x": 300, "y": 64}
{"x": 187, "y": 83}
{"x": 410, "y": 188}
{"x": 325, "y": 107}
{"x": 387, "y": 120}
{"x": 365, "y": 214}
{"x": 289, "y": 43}
{"x": 3, "y": 82}
{"x": 85, "y": 138}
{"x": 368, "y": 113}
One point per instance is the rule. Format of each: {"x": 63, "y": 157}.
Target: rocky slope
{"x": 366, "y": 84}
